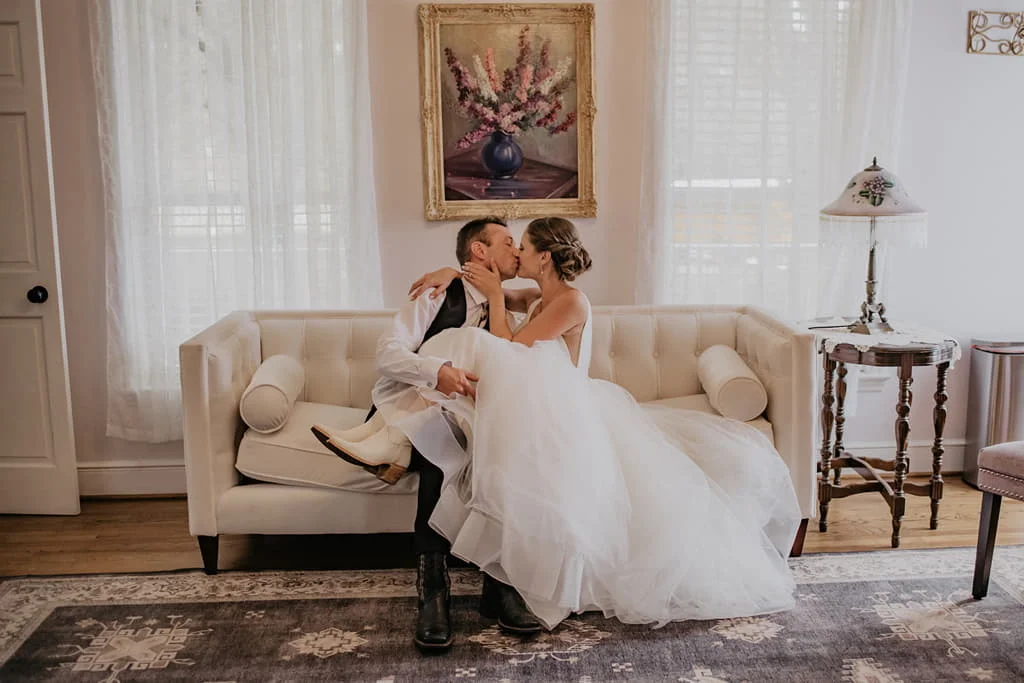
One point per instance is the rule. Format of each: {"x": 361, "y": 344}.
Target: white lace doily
{"x": 903, "y": 334}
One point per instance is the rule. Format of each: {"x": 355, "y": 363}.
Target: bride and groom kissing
{"x": 562, "y": 489}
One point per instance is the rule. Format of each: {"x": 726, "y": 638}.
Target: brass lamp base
{"x": 872, "y": 313}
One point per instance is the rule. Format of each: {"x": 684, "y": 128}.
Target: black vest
{"x": 452, "y": 312}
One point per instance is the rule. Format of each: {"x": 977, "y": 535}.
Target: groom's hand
{"x": 451, "y": 380}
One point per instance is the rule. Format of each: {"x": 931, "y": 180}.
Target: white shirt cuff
{"x": 431, "y": 366}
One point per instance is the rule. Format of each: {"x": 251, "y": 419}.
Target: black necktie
{"x": 484, "y": 318}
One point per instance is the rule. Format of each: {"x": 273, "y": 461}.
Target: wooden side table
{"x": 834, "y": 457}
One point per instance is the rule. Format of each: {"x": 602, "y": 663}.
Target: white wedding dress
{"x": 582, "y": 499}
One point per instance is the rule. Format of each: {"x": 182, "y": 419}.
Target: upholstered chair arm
{"x": 783, "y": 358}
{"x": 216, "y": 366}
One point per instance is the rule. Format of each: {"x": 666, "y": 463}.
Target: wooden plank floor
{"x": 149, "y": 535}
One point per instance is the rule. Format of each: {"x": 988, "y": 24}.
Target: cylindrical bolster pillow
{"x": 732, "y": 387}
{"x": 269, "y": 398}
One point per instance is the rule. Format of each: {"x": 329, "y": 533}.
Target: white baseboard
{"x": 131, "y": 478}
{"x": 920, "y": 453}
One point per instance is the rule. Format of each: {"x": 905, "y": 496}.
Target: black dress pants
{"x": 425, "y": 539}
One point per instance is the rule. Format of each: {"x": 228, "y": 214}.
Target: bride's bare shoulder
{"x": 578, "y": 297}
{"x": 577, "y": 302}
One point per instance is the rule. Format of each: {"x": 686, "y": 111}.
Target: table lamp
{"x": 874, "y": 201}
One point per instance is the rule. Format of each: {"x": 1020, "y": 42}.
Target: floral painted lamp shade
{"x": 874, "y": 192}
{"x": 874, "y": 209}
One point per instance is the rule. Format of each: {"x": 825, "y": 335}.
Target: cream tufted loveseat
{"x": 651, "y": 351}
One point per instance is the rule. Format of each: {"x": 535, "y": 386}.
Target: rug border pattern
{"x": 26, "y": 602}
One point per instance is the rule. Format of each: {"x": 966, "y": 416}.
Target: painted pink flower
{"x": 492, "y": 72}
{"x": 538, "y": 104}
{"x": 508, "y": 80}
{"x": 479, "y": 111}
{"x": 565, "y": 125}
{"x": 463, "y": 79}
{"x": 525, "y": 79}
{"x": 544, "y": 66}
{"x": 509, "y": 122}
{"x": 525, "y": 48}
{"x": 548, "y": 119}
{"x": 474, "y": 136}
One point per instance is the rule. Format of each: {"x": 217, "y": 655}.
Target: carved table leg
{"x": 840, "y": 419}
{"x": 939, "y": 418}
{"x": 899, "y": 501}
{"x": 824, "y": 487}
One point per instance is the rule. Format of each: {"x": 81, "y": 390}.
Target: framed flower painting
{"x": 508, "y": 110}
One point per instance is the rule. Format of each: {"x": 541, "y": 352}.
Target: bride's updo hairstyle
{"x": 558, "y": 236}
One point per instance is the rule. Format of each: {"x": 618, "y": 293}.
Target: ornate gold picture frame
{"x": 508, "y": 110}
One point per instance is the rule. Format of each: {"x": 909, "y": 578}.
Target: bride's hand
{"x": 487, "y": 280}
{"x": 438, "y": 280}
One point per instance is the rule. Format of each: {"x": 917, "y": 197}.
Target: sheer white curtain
{"x": 759, "y": 111}
{"x": 239, "y": 173}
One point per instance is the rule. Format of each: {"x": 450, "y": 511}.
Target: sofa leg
{"x": 208, "y": 549}
{"x": 990, "y": 505}
{"x": 798, "y": 542}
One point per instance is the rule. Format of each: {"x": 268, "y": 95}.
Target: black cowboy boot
{"x": 433, "y": 625}
{"x": 502, "y": 602}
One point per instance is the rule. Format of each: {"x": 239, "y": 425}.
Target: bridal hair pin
{"x": 572, "y": 242}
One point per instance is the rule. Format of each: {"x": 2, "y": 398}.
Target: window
{"x": 239, "y": 175}
{"x": 754, "y": 93}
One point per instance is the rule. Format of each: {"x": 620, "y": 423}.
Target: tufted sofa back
{"x": 337, "y": 348}
{"x": 650, "y": 351}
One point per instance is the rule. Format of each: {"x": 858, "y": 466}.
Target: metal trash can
{"x": 995, "y": 399}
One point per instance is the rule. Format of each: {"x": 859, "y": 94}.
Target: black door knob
{"x": 38, "y": 294}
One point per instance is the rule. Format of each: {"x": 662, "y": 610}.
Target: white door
{"x": 38, "y": 474}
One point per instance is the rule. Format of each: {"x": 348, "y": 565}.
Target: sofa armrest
{"x": 783, "y": 358}
{"x": 216, "y": 366}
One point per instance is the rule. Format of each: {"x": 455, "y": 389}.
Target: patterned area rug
{"x": 863, "y": 617}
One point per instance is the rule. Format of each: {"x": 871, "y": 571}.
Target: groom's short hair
{"x": 474, "y": 231}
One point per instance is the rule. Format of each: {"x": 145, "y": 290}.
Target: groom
{"x": 485, "y": 241}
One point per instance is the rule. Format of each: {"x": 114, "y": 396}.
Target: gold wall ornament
{"x": 994, "y": 32}
{"x": 450, "y": 190}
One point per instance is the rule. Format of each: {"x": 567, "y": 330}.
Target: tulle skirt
{"x": 582, "y": 499}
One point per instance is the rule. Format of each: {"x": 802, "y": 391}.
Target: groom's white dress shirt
{"x": 396, "y": 350}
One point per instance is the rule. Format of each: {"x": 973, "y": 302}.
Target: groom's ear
{"x": 478, "y": 249}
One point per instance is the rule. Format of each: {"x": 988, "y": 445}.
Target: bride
{"x": 575, "y": 494}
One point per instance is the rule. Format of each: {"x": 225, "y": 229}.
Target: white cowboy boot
{"x": 362, "y": 431}
{"x": 357, "y": 433}
{"x": 385, "y": 454}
